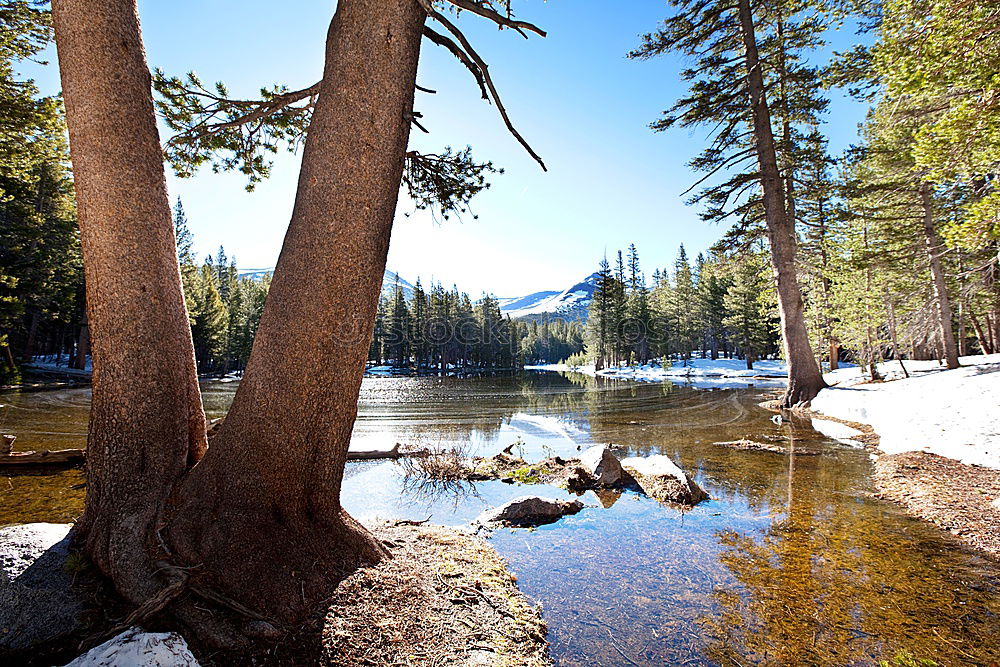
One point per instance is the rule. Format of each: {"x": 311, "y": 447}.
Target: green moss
{"x": 905, "y": 659}
{"x": 525, "y": 475}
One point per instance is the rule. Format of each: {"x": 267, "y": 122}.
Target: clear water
{"x": 791, "y": 562}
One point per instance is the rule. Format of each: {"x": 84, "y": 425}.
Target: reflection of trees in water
{"x": 433, "y": 491}
{"x": 835, "y": 583}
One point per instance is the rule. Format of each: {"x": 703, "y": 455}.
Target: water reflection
{"x": 791, "y": 562}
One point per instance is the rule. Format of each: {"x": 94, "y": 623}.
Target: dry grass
{"x": 442, "y": 463}
{"x": 445, "y": 598}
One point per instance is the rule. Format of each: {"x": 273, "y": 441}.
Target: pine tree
{"x": 398, "y": 329}
{"x": 684, "y": 306}
{"x": 748, "y": 309}
{"x": 209, "y": 319}
{"x": 741, "y": 52}
{"x": 600, "y": 319}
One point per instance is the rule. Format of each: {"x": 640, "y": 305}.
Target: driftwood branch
{"x": 394, "y": 453}
{"x": 58, "y": 457}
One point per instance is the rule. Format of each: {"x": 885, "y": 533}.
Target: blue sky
{"x": 582, "y": 105}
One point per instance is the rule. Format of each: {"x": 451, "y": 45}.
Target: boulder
{"x": 136, "y": 648}
{"x": 602, "y": 465}
{"x": 529, "y": 511}
{"x": 579, "y": 480}
{"x": 38, "y": 604}
{"x": 660, "y": 478}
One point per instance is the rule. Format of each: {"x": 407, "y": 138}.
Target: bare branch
{"x": 484, "y": 70}
{"x": 483, "y": 8}
{"x": 462, "y": 56}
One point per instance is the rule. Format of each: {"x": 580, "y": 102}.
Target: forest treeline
{"x": 897, "y": 237}
{"x": 223, "y": 307}
{"x": 443, "y": 329}
{"x": 718, "y": 306}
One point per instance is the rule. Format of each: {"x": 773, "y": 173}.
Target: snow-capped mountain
{"x": 254, "y": 274}
{"x": 571, "y": 302}
{"x": 389, "y": 285}
{"x": 388, "y": 281}
{"x": 524, "y": 302}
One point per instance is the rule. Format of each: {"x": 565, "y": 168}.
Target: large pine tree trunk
{"x": 934, "y": 246}
{"x": 258, "y": 520}
{"x": 804, "y": 377}
{"x": 262, "y": 511}
{"x": 146, "y": 419}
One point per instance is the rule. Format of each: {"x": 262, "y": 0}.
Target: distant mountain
{"x": 388, "y": 281}
{"x": 571, "y": 303}
{"x": 524, "y": 302}
{"x": 389, "y": 285}
{"x": 254, "y": 274}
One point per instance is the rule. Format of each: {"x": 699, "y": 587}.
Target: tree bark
{"x": 146, "y": 418}
{"x": 83, "y": 345}
{"x": 804, "y": 377}
{"x": 273, "y": 473}
{"x": 933, "y": 245}
{"x": 259, "y": 519}
{"x": 985, "y": 346}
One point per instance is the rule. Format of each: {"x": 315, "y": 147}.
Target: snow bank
{"x": 719, "y": 373}
{"x": 953, "y": 413}
{"x": 60, "y": 364}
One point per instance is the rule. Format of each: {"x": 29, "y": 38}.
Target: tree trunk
{"x": 146, "y": 418}
{"x": 274, "y": 470}
{"x": 259, "y": 519}
{"x": 28, "y": 354}
{"x": 985, "y": 346}
{"x": 804, "y": 377}
{"x": 83, "y": 345}
{"x": 934, "y": 245}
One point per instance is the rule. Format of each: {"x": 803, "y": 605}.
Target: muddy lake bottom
{"x": 792, "y": 561}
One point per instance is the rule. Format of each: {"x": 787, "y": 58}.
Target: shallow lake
{"x": 793, "y": 561}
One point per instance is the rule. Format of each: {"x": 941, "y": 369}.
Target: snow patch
{"x": 836, "y": 431}
{"x": 136, "y": 648}
{"x": 952, "y": 413}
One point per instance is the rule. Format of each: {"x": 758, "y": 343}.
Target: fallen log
{"x": 375, "y": 454}
{"x": 57, "y": 457}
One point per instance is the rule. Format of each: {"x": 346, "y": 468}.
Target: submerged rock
{"x": 529, "y": 511}
{"x": 37, "y": 602}
{"x": 602, "y": 465}
{"x": 660, "y": 478}
{"x": 136, "y": 648}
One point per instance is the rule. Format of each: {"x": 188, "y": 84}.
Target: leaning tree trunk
{"x": 261, "y": 513}
{"x": 146, "y": 418}
{"x": 804, "y": 377}
{"x": 258, "y": 520}
{"x": 942, "y": 303}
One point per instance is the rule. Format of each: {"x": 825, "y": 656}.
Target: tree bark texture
{"x": 942, "y": 303}
{"x": 146, "y": 418}
{"x": 262, "y": 511}
{"x": 804, "y": 377}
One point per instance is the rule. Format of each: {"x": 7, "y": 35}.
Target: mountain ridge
{"x": 572, "y": 302}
